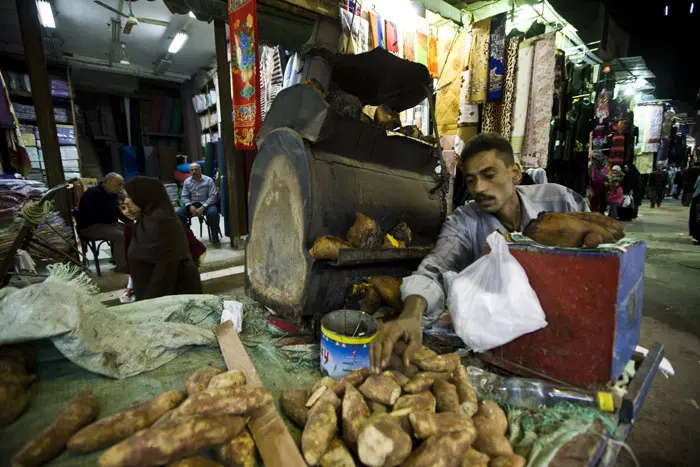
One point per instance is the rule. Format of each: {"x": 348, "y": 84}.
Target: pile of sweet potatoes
{"x": 425, "y": 415}
{"x": 174, "y": 428}
{"x": 16, "y": 364}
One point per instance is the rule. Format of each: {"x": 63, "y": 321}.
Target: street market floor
{"x": 667, "y": 432}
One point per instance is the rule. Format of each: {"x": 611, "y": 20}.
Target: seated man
{"x": 491, "y": 176}
{"x": 199, "y": 197}
{"x": 98, "y": 216}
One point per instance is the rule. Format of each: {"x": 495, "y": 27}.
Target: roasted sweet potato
{"x": 196, "y": 461}
{"x": 228, "y": 379}
{"x": 440, "y": 363}
{"x": 444, "y": 451}
{"x": 426, "y": 424}
{"x": 354, "y": 415}
{"x": 327, "y": 247}
{"x": 239, "y": 452}
{"x": 119, "y": 426}
{"x": 386, "y": 118}
{"x": 364, "y": 232}
{"x": 508, "y": 461}
{"x": 319, "y": 432}
{"x": 491, "y": 425}
{"x": 388, "y": 241}
{"x": 235, "y": 401}
{"x": 421, "y": 402}
{"x": 474, "y": 458}
{"x": 381, "y": 388}
{"x": 402, "y": 232}
{"x": 337, "y": 455}
{"x": 293, "y": 402}
{"x": 573, "y": 230}
{"x": 200, "y": 379}
{"x": 316, "y": 86}
{"x": 48, "y": 444}
{"x": 468, "y": 403}
{"x": 446, "y": 396}
{"x": 180, "y": 438}
{"x": 389, "y": 289}
{"x": 382, "y": 442}
{"x": 13, "y": 400}
{"x": 363, "y": 297}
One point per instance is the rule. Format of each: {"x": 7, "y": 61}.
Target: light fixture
{"x": 692, "y": 7}
{"x": 123, "y": 58}
{"x": 666, "y": 10}
{"x": 45, "y": 13}
{"x": 191, "y": 15}
{"x": 177, "y": 43}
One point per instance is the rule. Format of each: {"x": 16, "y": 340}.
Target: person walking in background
{"x": 694, "y": 215}
{"x": 677, "y": 183}
{"x": 159, "y": 257}
{"x": 614, "y": 198}
{"x": 199, "y": 198}
{"x": 689, "y": 178}
{"x": 658, "y": 180}
{"x": 596, "y": 188}
{"x": 632, "y": 184}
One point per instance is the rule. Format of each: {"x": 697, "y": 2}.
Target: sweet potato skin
{"x": 48, "y": 444}
{"x": 474, "y": 458}
{"x": 491, "y": 425}
{"x": 364, "y": 232}
{"x": 389, "y": 289}
{"x": 182, "y": 437}
{"x": 327, "y": 247}
{"x": 446, "y": 396}
{"x": 293, "y": 402}
{"x": 199, "y": 380}
{"x": 319, "y": 432}
{"x": 468, "y": 402}
{"x": 381, "y": 388}
{"x": 421, "y": 402}
{"x": 382, "y": 442}
{"x": 227, "y": 379}
{"x": 119, "y": 426}
{"x": 239, "y": 452}
{"x": 13, "y": 400}
{"x": 427, "y": 424}
{"x": 196, "y": 461}
{"x": 235, "y": 401}
{"x": 444, "y": 451}
{"x": 440, "y": 363}
{"x": 337, "y": 455}
{"x": 508, "y": 461}
{"x": 354, "y": 415}
{"x": 421, "y": 382}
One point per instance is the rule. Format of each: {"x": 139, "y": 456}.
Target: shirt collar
{"x": 527, "y": 209}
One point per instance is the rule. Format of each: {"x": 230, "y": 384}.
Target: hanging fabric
{"x": 655, "y": 115}
{"x": 535, "y": 147}
{"x": 358, "y": 41}
{"x": 271, "y": 79}
{"x": 421, "y": 48}
{"x": 526, "y": 54}
{"x": 376, "y": 29}
{"x": 497, "y": 43}
{"x": 479, "y": 62}
{"x": 453, "y": 51}
{"x": 492, "y": 117}
{"x": 468, "y": 123}
{"x": 433, "y": 57}
{"x": 392, "y": 37}
{"x": 243, "y": 27}
{"x": 409, "y": 46}
{"x": 512, "y": 46}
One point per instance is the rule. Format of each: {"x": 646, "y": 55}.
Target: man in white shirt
{"x": 199, "y": 198}
{"x": 492, "y": 177}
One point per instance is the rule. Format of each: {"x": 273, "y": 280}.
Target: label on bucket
{"x": 340, "y": 358}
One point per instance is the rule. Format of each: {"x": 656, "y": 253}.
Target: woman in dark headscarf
{"x": 158, "y": 256}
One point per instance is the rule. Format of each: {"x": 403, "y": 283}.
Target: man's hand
{"x": 199, "y": 211}
{"x": 193, "y": 209}
{"x": 408, "y": 327}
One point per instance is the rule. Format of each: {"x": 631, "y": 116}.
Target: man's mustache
{"x": 484, "y": 198}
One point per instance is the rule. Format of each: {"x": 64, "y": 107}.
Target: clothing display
{"x": 392, "y": 38}
{"x": 409, "y": 46}
{"x": 654, "y": 121}
{"x": 245, "y": 76}
{"x": 376, "y": 30}
{"x": 358, "y": 41}
{"x": 526, "y": 54}
{"x": 479, "y": 62}
{"x": 433, "y": 57}
{"x": 512, "y": 47}
{"x": 453, "y": 51}
{"x": 271, "y": 77}
{"x": 492, "y": 117}
{"x": 497, "y": 43}
{"x": 421, "y": 48}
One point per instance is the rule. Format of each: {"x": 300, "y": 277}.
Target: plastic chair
{"x": 91, "y": 245}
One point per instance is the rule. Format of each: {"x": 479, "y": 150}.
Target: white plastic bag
{"x": 491, "y": 302}
{"x": 627, "y": 201}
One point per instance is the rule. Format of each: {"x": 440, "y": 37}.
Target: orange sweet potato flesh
{"x": 364, "y": 233}
{"x": 327, "y": 247}
{"x": 389, "y": 289}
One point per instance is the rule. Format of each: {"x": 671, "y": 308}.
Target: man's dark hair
{"x": 487, "y": 142}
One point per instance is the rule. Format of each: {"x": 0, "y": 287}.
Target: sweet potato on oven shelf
{"x": 51, "y": 442}
{"x": 402, "y": 232}
{"x": 383, "y": 443}
{"x": 327, "y": 247}
{"x": 363, "y": 297}
{"x": 199, "y": 380}
{"x": 293, "y": 403}
{"x": 119, "y": 426}
{"x": 183, "y": 437}
{"x": 239, "y": 452}
{"x": 427, "y": 424}
{"x": 228, "y": 379}
{"x": 381, "y": 388}
{"x": 364, "y": 232}
{"x": 319, "y": 431}
{"x": 389, "y": 289}
{"x": 388, "y": 242}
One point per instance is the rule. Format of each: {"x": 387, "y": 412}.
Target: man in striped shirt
{"x": 199, "y": 198}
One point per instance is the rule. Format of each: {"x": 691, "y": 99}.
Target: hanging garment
{"x": 271, "y": 78}
{"x": 497, "y": 43}
{"x": 433, "y": 57}
{"x": 392, "y": 38}
{"x": 526, "y": 54}
{"x": 479, "y": 62}
{"x": 536, "y": 143}
{"x": 292, "y": 72}
{"x": 492, "y": 117}
{"x": 512, "y": 46}
{"x": 358, "y": 41}
{"x": 376, "y": 29}
{"x": 655, "y": 115}
{"x": 245, "y": 74}
{"x": 453, "y": 52}
{"x": 421, "y": 48}
{"x": 409, "y": 46}
{"x": 468, "y": 123}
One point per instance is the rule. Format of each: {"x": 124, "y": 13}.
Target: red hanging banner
{"x": 245, "y": 78}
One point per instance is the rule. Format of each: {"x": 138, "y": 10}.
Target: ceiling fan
{"x": 132, "y": 20}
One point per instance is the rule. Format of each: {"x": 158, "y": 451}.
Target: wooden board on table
{"x": 275, "y": 444}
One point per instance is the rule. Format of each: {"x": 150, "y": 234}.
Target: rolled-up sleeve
{"x": 451, "y": 253}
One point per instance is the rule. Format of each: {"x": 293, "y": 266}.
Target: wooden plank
{"x": 275, "y": 444}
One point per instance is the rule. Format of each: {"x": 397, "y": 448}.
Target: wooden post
{"x": 41, "y": 95}
{"x": 234, "y": 158}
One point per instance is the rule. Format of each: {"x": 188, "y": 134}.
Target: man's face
{"x": 114, "y": 184}
{"x": 196, "y": 171}
{"x": 489, "y": 181}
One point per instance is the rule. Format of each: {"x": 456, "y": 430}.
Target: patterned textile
{"x": 421, "y": 48}
{"x": 452, "y": 59}
{"x": 497, "y": 43}
{"x": 376, "y": 28}
{"x": 509, "y": 86}
{"x": 360, "y": 33}
{"x": 271, "y": 78}
{"x": 479, "y": 62}
{"x": 539, "y": 115}
{"x": 655, "y": 115}
{"x": 433, "y": 57}
{"x": 392, "y": 38}
{"x": 526, "y": 53}
{"x": 468, "y": 123}
{"x": 492, "y": 117}
{"x": 409, "y": 46}
{"x": 243, "y": 27}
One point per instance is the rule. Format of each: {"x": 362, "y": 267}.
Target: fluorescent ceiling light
{"x": 45, "y": 14}
{"x": 692, "y": 7}
{"x": 666, "y": 10}
{"x": 191, "y": 15}
{"x": 177, "y": 43}
{"x": 123, "y": 58}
